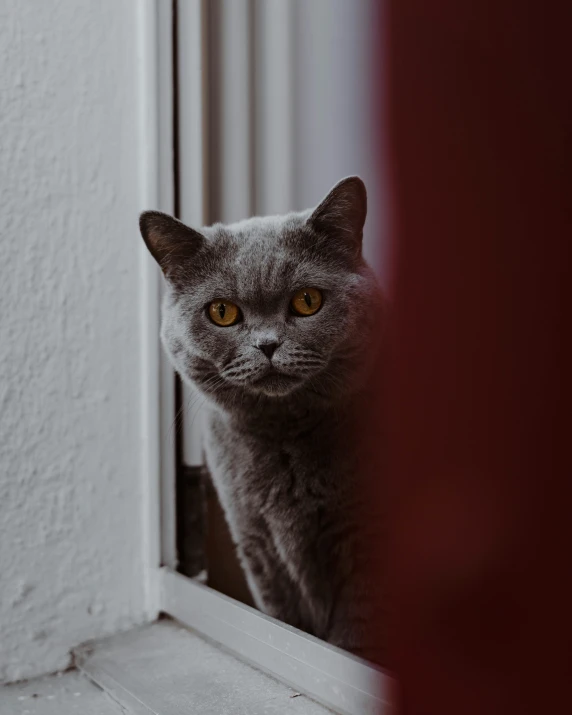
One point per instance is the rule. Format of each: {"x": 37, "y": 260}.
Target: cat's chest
{"x": 266, "y": 473}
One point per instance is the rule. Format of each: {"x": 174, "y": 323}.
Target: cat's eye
{"x": 306, "y": 301}
{"x": 224, "y": 313}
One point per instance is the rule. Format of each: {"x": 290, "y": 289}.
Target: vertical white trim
{"x": 154, "y": 62}
{"x": 274, "y": 106}
{"x": 192, "y": 147}
{"x": 235, "y": 115}
{"x": 192, "y": 171}
{"x": 147, "y": 62}
{"x": 165, "y": 108}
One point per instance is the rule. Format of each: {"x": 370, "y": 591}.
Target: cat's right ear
{"x": 169, "y": 241}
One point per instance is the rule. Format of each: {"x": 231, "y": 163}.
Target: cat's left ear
{"x": 171, "y": 243}
{"x": 342, "y": 213}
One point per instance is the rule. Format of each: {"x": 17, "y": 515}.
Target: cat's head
{"x": 269, "y": 308}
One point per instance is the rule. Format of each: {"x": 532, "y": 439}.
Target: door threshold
{"x": 165, "y": 669}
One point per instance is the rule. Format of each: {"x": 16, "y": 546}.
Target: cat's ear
{"x": 169, "y": 241}
{"x": 342, "y": 213}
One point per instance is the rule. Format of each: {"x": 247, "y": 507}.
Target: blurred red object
{"x": 480, "y": 379}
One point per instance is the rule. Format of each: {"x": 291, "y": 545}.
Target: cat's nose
{"x": 268, "y": 348}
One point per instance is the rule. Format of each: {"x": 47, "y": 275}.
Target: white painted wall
{"x": 71, "y": 559}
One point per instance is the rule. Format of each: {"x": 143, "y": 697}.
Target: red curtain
{"x": 480, "y": 376}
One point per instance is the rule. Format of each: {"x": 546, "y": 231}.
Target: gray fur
{"x": 281, "y": 446}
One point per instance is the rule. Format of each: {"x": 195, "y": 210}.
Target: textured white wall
{"x": 70, "y": 444}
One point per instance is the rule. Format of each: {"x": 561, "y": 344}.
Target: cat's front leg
{"x": 351, "y": 624}
{"x": 321, "y": 551}
{"x": 273, "y": 590}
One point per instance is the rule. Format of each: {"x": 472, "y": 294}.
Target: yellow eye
{"x": 306, "y": 301}
{"x": 224, "y": 313}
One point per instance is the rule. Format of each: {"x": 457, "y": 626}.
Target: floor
{"x": 66, "y": 694}
{"x": 161, "y": 669}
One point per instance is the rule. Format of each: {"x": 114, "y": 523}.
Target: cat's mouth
{"x": 276, "y": 384}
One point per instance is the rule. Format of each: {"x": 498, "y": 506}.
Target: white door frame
{"x": 337, "y": 679}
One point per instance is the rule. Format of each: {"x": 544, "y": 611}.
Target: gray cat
{"x": 275, "y": 320}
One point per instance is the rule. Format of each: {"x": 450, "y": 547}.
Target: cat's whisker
{"x": 177, "y": 424}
